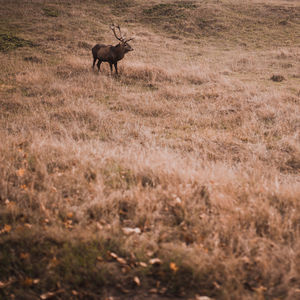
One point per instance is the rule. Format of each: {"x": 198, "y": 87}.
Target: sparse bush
{"x": 277, "y": 78}
{"x": 51, "y": 12}
{"x": 9, "y": 42}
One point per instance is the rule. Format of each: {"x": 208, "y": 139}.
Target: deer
{"x": 109, "y": 53}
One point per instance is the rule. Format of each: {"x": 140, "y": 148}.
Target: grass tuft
{"x": 51, "y": 12}
{"x": 10, "y": 42}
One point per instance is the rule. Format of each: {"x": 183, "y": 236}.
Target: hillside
{"x": 178, "y": 178}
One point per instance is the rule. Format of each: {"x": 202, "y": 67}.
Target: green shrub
{"x": 9, "y": 42}
{"x": 51, "y": 12}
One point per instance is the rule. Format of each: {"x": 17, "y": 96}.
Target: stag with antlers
{"x": 109, "y": 53}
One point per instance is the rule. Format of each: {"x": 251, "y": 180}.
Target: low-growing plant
{"x": 9, "y": 41}
{"x": 51, "y": 12}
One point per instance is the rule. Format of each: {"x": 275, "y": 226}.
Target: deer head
{"x": 123, "y": 41}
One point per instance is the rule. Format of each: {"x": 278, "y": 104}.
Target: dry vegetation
{"x": 178, "y": 178}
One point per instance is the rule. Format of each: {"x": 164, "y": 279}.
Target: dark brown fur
{"x": 110, "y": 54}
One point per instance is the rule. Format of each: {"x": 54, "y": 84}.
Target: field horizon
{"x": 177, "y": 179}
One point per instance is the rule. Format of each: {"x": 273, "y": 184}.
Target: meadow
{"x": 177, "y": 179}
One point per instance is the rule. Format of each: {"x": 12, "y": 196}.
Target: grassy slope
{"x": 193, "y": 144}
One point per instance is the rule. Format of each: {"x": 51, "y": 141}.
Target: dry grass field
{"x": 178, "y": 178}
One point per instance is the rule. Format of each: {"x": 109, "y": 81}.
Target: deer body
{"x": 109, "y": 53}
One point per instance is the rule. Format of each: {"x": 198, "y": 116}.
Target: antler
{"x": 130, "y": 39}
{"x": 121, "y": 38}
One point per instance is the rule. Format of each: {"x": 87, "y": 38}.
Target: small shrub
{"x": 33, "y": 59}
{"x": 51, "y": 12}
{"x": 84, "y": 45}
{"x": 169, "y": 9}
{"x": 118, "y": 177}
{"x": 186, "y": 4}
{"x": 163, "y": 9}
{"x": 277, "y": 78}
{"x": 10, "y": 42}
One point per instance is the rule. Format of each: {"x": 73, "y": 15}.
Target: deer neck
{"x": 120, "y": 51}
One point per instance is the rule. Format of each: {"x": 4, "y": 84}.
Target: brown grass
{"x": 192, "y": 146}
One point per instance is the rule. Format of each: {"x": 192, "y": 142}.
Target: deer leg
{"x": 98, "y": 65}
{"x": 94, "y": 62}
{"x": 110, "y": 64}
{"x": 116, "y": 68}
